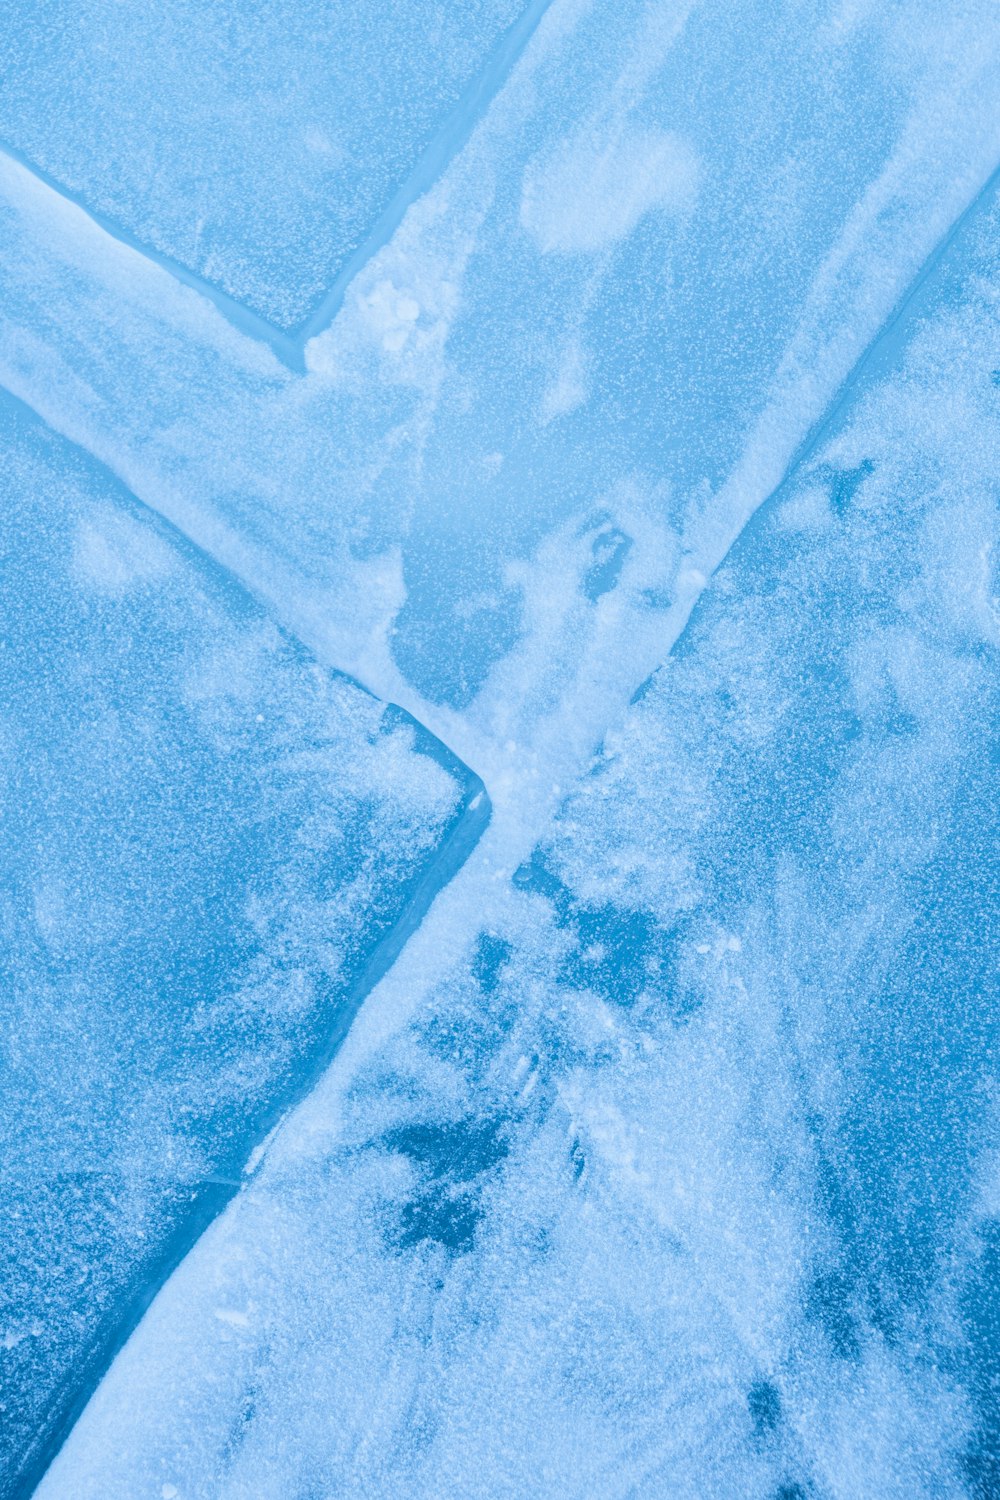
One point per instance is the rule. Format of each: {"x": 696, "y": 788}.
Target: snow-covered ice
{"x": 622, "y": 399}
{"x": 254, "y": 145}
{"x": 211, "y": 848}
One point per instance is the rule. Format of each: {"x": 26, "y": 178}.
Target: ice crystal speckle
{"x": 498, "y": 781}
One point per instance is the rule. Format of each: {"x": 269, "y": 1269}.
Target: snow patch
{"x": 593, "y": 191}
{"x": 113, "y": 553}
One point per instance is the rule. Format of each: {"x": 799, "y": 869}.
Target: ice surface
{"x": 663, "y": 1160}
{"x": 669, "y": 1166}
{"x": 485, "y": 389}
{"x": 209, "y": 845}
{"x": 254, "y": 144}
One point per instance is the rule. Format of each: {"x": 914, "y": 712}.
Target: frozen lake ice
{"x": 501, "y": 617}
{"x": 211, "y": 849}
{"x": 255, "y": 146}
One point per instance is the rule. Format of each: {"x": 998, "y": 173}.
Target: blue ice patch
{"x": 212, "y": 848}
{"x": 253, "y": 145}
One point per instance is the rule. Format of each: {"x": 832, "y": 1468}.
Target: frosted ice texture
{"x": 680, "y": 1179}
{"x": 254, "y": 144}
{"x": 484, "y": 387}
{"x": 206, "y": 840}
{"x": 660, "y": 1163}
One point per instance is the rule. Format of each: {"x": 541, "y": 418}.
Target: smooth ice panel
{"x": 253, "y": 144}
{"x": 211, "y": 848}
